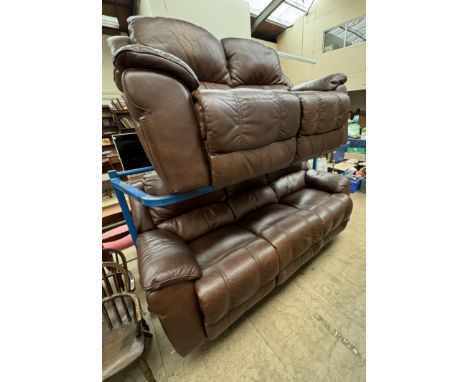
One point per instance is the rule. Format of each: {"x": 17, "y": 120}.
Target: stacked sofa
{"x": 221, "y": 113}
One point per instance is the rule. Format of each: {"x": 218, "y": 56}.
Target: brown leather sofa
{"x": 222, "y": 113}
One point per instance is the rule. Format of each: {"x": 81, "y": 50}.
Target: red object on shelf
{"x": 117, "y": 238}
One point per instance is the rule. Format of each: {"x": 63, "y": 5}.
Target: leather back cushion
{"x": 272, "y": 176}
{"x": 153, "y": 185}
{"x": 252, "y": 63}
{"x": 288, "y": 184}
{"x": 196, "y": 46}
{"x": 247, "y": 201}
{"x": 259, "y": 181}
{"x": 140, "y": 214}
{"x": 200, "y": 221}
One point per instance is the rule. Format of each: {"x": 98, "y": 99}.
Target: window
{"x": 351, "y": 33}
{"x": 287, "y": 13}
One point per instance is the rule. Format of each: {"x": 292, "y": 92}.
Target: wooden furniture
{"x": 123, "y": 328}
{"x": 122, "y": 10}
{"x": 110, "y": 158}
{"x": 115, "y": 256}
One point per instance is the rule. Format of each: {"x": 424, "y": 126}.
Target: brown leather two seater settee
{"x": 222, "y": 113}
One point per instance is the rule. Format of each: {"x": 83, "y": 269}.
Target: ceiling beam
{"x": 270, "y": 8}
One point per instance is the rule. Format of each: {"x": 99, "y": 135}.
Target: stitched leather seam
{"x": 228, "y": 253}
{"x": 191, "y": 74}
{"x": 228, "y": 295}
{"x": 213, "y": 324}
{"x": 278, "y": 103}
{"x": 257, "y": 263}
{"x": 241, "y": 120}
{"x": 158, "y": 285}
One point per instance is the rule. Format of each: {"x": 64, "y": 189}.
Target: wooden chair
{"x": 116, "y": 256}
{"x": 123, "y": 328}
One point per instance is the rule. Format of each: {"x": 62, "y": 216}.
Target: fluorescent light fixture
{"x": 295, "y": 57}
{"x": 110, "y": 22}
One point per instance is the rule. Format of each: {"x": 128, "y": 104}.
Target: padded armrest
{"x": 127, "y": 56}
{"x": 327, "y": 181}
{"x": 327, "y": 83}
{"x": 164, "y": 259}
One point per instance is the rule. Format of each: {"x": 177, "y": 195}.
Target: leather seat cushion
{"x": 235, "y": 264}
{"x": 330, "y": 209}
{"x": 290, "y": 230}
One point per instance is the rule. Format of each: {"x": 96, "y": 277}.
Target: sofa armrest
{"x": 164, "y": 259}
{"x": 326, "y": 181}
{"x": 127, "y": 56}
{"x": 327, "y": 83}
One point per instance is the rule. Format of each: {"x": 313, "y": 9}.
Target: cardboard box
{"x": 359, "y": 157}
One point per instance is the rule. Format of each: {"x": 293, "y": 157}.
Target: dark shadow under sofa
{"x": 221, "y": 113}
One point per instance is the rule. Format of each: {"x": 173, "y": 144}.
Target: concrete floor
{"x": 310, "y": 329}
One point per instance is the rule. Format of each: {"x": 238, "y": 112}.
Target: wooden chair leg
{"x": 146, "y": 370}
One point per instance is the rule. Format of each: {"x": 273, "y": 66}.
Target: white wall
{"x": 305, "y": 38}
{"x": 109, "y": 90}
{"x": 223, "y": 18}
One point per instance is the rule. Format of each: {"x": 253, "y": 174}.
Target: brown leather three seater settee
{"x": 222, "y": 113}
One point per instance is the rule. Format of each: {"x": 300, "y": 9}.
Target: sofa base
{"x": 226, "y": 255}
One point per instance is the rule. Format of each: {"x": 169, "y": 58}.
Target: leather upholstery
{"x": 194, "y": 45}
{"x": 164, "y": 259}
{"x": 224, "y": 106}
{"x": 195, "y": 223}
{"x": 326, "y": 181}
{"x": 222, "y": 113}
{"x": 145, "y": 57}
{"x": 226, "y": 285}
{"x": 252, "y": 63}
{"x": 141, "y": 216}
{"x": 327, "y": 83}
{"x": 230, "y": 248}
{"x": 242, "y": 127}
{"x": 168, "y": 129}
{"x": 181, "y": 318}
{"x": 324, "y": 122}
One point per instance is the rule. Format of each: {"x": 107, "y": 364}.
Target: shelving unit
{"x": 110, "y": 159}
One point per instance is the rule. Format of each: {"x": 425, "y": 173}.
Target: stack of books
{"x": 127, "y": 122}
{"x": 119, "y": 104}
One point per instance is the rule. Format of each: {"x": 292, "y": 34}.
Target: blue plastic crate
{"x": 354, "y": 185}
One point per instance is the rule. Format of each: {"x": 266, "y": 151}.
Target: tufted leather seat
{"x": 222, "y": 113}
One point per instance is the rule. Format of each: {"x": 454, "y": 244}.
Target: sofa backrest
{"x": 201, "y": 50}
{"x": 198, "y": 216}
{"x": 252, "y": 63}
{"x": 231, "y": 61}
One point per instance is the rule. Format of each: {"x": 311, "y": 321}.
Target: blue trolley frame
{"x": 121, "y": 188}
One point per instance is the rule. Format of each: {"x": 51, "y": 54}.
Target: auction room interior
{"x": 234, "y": 190}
